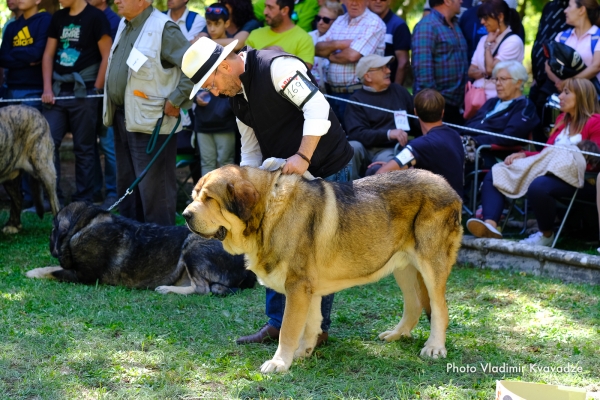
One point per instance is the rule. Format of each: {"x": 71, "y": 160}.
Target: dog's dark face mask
{"x": 60, "y": 229}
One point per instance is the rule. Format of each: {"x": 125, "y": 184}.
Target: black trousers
{"x": 155, "y": 198}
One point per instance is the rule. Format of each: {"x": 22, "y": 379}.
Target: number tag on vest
{"x": 298, "y": 89}
{"x": 136, "y": 59}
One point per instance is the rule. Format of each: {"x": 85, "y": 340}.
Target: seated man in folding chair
{"x": 510, "y": 114}
{"x": 439, "y": 150}
{"x": 548, "y": 175}
{"x": 374, "y": 133}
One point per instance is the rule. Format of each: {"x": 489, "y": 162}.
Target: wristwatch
{"x": 489, "y": 44}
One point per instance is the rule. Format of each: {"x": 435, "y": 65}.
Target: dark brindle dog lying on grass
{"x": 93, "y": 245}
{"x": 26, "y": 145}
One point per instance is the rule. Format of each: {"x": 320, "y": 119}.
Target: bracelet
{"x": 303, "y": 157}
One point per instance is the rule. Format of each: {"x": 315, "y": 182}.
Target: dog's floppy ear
{"x": 244, "y": 198}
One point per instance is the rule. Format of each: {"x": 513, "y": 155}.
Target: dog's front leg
{"x": 298, "y": 298}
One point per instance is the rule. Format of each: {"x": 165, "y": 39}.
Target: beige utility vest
{"x": 151, "y": 79}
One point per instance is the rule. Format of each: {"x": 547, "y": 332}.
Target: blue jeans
{"x": 339, "y": 107}
{"x": 275, "y": 302}
{"x": 106, "y": 145}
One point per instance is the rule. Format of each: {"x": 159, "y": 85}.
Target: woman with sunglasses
{"x": 323, "y": 20}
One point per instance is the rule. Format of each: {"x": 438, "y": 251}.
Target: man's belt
{"x": 345, "y": 89}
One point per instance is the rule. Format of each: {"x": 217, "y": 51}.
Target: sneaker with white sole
{"x": 538, "y": 239}
{"x": 481, "y": 229}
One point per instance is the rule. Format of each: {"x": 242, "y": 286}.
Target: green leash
{"x": 149, "y": 149}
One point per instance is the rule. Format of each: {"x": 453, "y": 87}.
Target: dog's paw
{"x": 163, "y": 289}
{"x": 390, "y": 336}
{"x": 274, "y": 365}
{"x": 11, "y": 230}
{"x": 435, "y": 352}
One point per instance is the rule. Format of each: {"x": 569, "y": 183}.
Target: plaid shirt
{"x": 439, "y": 58}
{"x": 368, "y": 37}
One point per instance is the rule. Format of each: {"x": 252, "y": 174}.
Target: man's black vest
{"x": 278, "y": 124}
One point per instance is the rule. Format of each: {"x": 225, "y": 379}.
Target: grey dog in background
{"x": 93, "y": 245}
{"x": 26, "y": 145}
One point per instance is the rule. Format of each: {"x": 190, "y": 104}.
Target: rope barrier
{"x": 56, "y": 98}
{"x": 465, "y": 128}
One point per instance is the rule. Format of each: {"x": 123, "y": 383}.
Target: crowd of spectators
{"x": 358, "y": 50}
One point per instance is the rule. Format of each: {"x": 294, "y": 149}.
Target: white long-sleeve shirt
{"x": 316, "y": 110}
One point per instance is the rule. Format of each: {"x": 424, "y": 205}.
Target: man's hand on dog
{"x": 295, "y": 165}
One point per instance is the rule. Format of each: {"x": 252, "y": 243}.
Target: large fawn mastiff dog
{"x": 307, "y": 239}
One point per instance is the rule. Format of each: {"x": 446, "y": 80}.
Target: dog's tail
{"x": 37, "y": 193}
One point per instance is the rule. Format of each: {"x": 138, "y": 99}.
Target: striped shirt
{"x": 439, "y": 58}
{"x": 368, "y": 37}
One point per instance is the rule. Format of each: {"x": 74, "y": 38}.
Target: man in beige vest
{"x": 144, "y": 84}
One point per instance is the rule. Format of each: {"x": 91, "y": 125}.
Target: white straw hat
{"x": 201, "y": 59}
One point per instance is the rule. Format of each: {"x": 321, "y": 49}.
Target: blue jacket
{"x": 517, "y": 120}
{"x": 22, "y": 50}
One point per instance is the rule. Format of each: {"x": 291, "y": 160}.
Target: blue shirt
{"x": 440, "y": 151}
{"x": 397, "y": 37}
{"x": 113, "y": 20}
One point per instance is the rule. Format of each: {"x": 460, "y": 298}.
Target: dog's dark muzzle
{"x": 220, "y": 234}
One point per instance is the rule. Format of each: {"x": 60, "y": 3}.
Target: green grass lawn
{"x": 66, "y": 341}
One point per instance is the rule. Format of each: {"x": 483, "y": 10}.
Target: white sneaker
{"x": 481, "y": 229}
{"x": 538, "y": 239}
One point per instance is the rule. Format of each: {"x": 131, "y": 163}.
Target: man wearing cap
{"x": 143, "y": 85}
{"x": 280, "y": 113}
{"x": 374, "y": 133}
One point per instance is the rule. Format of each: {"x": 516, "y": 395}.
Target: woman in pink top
{"x": 584, "y": 17}
{"x": 500, "y": 44}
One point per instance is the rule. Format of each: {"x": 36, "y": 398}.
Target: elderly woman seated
{"x": 539, "y": 177}
{"x": 510, "y": 114}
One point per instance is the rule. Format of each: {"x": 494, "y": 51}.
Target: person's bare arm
{"x": 346, "y": 56}
{"x": 104, "y": 45}
{"x": 298, "y": 165}
{"x": 403, "y": 65}
{"x": 47, "y": 69}
{"x": 325, "y": 48}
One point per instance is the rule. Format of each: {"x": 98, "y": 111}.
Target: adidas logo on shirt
{"x": 23, "y": 38}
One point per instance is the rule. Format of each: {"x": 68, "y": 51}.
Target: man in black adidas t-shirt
{"x": 439, "y": 150}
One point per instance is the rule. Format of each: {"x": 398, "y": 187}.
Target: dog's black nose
{"x": 187, "y": 215}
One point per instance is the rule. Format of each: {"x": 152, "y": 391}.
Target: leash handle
{"x": 145, "y": 171}
{"x": 155, "y": 133}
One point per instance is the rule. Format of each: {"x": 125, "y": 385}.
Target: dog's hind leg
{"x": 407, "y": 279}
{"x": 13, "y": 188}
{"x": 37, "y": 194}
{"x": 435, "y": 346}
{"x": 311, "y": 330}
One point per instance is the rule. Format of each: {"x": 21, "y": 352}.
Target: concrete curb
{"x": 568, "y": 266}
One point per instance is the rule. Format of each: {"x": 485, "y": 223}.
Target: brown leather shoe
{"x": 266, "y": 334}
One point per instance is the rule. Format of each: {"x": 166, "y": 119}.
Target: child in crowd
{"x": 22, "y": 50}
{"x": 74, "y": 65}
{"x": 215, "y": 122}
{"x": 323, "y": 21}
{"x": 21, "y": 56}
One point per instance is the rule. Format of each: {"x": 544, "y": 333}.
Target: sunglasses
{"x": 327, "y": 20}
{"x": 215, "y": 10}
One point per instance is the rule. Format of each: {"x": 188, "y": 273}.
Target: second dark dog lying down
{"x": 93, "y": 245}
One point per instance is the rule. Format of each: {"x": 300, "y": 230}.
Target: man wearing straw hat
{"x": 144, "y": 85}
{"x": 280, "y": 113}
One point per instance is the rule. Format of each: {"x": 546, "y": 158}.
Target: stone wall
{"x": 568, "y": 266}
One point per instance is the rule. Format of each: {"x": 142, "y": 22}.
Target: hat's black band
{"x": 207, "y": 65}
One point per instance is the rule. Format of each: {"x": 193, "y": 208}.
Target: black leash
{"x": 149, "y": 149}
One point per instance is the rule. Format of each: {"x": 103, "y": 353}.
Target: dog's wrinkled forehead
{"x": 214, "y": 184}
